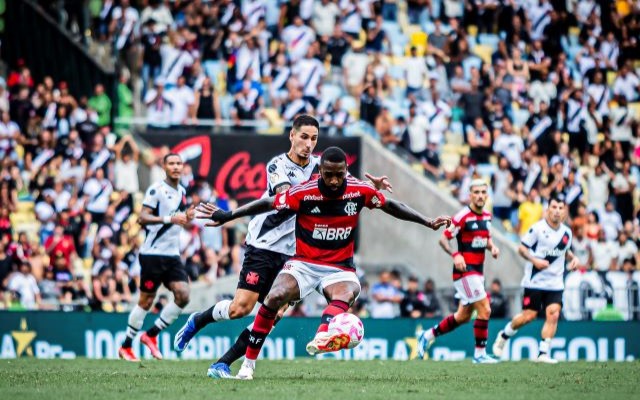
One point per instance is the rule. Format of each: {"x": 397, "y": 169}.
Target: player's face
{"x": 304, "y": 140}
{"x": 556, "y": 211}
{"x": 479, "y": 196}
{"x": 173, "y": 167}
{"x": 333, "y": 174}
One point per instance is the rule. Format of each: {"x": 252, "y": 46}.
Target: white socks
{"x": 168, "y": 314}
{"x": 429, "y": 334}
{"x": 545, "y": 344}
{"x": 221, "y": 310}
{"x": 136, "y": 319}
{"x": 509, "y": 331}
{"x": 479, "y": 352}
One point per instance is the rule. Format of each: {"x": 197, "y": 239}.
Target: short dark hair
{"x": 165, "y": 158}
{"x": 333, "y": 154}
{"x": 305, "y": 120}
{"x": 558, "y": 197}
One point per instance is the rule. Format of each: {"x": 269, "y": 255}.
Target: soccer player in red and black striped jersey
{"x": 327, "y": 209}
{"x": 471, "y": 229}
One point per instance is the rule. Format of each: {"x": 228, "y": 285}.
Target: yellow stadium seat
{"x": 636, "y": 109}
{"x": 25, "y": 206}
{"x": 611, "y": 76}
{"x": 472, "y": 30}
{"x": 484, "y": 52}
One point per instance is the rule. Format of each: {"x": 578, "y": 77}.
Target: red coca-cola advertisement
{"x": 236, "y": 164}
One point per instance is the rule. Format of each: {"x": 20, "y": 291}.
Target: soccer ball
{"x": 349, "y": 324}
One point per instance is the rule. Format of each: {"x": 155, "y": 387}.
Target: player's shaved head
{"x": 333, "y": 154}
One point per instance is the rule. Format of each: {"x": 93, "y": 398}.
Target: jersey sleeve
{"x": 530, "y": 238}
{"x": 289, "y": 200}
{"x": 374, "y": 198}
{"x": 277, "y": 176}
{"x": 151, "y": 198}
{"x": 453, "y": 229}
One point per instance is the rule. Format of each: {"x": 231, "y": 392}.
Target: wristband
{"x": 221, "y": 216}
{"x": 453, "y": 255}
{"x": 167, "y": 219}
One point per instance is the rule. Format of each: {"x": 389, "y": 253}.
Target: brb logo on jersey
{"x": 479, "y": 243}
{"x": 351, "y": 208}
{"x": 323, "y": 232}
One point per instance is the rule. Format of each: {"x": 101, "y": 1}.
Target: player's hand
{"x": 380, "y": 183}
{"x": 210, "y": 211}
{"x": 573, "y": 264}
{"x": 540, "y": 263}
{"x": 443, "y": 220}
{"x": 179, "y": 219}
{"x": 191, "y": 213}
{"x": 495, "y": 252}
{"x": 459, "y": 264}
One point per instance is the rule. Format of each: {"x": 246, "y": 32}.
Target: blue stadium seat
{"x": 489, "y": 39}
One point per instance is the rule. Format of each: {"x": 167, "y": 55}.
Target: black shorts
{"x": 156, "y": 269}
{"x": 538, "y": 299}
{"x": 259, "y": 270}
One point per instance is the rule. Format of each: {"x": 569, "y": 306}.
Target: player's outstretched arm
{"x": 402, "y": 211}
{"x": 220, "y": 217}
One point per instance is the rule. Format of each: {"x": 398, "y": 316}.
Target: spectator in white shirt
{"x": 324, "y": 17}
{"x": 298, "y": 37}
{"x": 310, "y": 72}
{"x": 182, "y": 99}
{"x": 24, "y": 286}
{"x": 97, "y": 192}
{"x": 598, "y": 188}
{"x": 611, "y": 221}
{"x": 604, "y": 253}
{"x": 509, "y": 145}
{"x": 415, "y": 72}
{"x": 626, "y": 249}
{"x": 126, "y": 165}
{"x": 159, "y": 106}
{"x": 626, "y": 84}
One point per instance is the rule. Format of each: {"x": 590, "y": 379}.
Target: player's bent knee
{"x": 239, "y": 310}
{"x": 181, "y": 298}
{"x": 277, "y": 298}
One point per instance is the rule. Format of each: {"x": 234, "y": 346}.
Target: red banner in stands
{"x": 236, "y": 164}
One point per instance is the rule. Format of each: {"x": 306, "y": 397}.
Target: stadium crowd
{"x": 533, "y": 95}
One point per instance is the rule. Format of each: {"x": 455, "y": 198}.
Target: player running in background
{"x": 164, "y": 213}
{"x": 270, "y": 242}
{"x": 545, "y": 247}
{"x": 327, "y": 209}
{"x": 471, "y": 229}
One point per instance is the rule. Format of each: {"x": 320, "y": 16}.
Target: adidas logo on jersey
{"x": 474, "y": 226}
{"x": 316, "y": 210}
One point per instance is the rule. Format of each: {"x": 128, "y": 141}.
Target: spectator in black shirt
{"x": 431, "y": 303}
{"x": 337, "y": 46}
{"x": 412, "y": 305}
{"x": 370, "y": 105}
{"x": 151, "y": 59}
{"x": 499, "y": 306}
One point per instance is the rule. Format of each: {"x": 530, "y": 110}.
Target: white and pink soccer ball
{"x": 349, "y": 324}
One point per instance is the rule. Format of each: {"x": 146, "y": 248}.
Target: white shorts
{"x": 316, "y": 277}
{"x": 470, "y": 289}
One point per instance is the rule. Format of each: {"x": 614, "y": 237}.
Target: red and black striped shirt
{"x": 472, "y": 231}
{"x": 325, "y": 226}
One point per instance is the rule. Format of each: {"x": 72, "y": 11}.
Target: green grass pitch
{"x": 317, "y": 379}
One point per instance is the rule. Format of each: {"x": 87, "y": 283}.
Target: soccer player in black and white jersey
{"x": 164, "y": 213}
{"x": 270, "y": 242}
{"x": 545, "y": 246}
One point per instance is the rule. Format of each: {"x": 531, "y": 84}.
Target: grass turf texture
{"x": 314, "y": 379}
